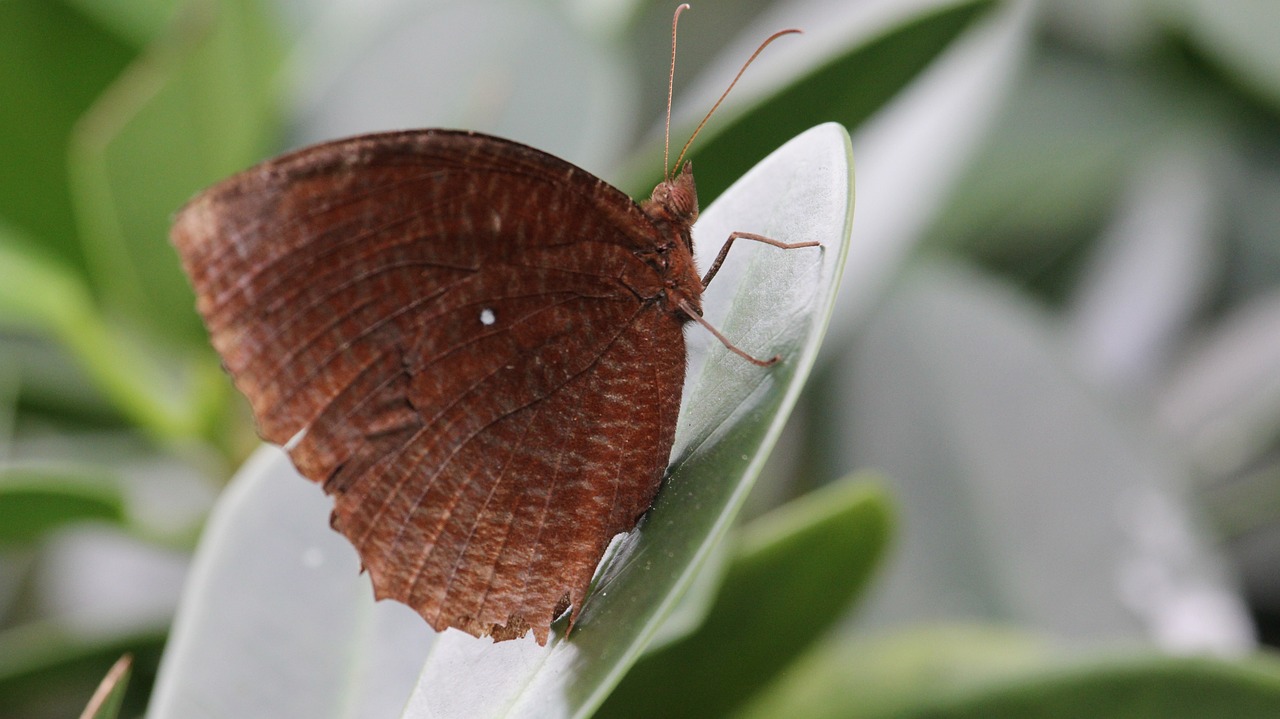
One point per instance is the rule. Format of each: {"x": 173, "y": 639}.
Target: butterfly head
{"x": 677, "y": 199}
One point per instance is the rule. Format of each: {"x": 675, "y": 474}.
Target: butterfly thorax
{"x": 673, "y": 208}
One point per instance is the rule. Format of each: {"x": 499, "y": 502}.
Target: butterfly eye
{"x": 661, "y": 194}
{"x": 683, "y": 200}
{"x": 678, "y": 198}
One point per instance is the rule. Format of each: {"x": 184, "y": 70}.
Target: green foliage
{"x": 817, "y": 552}
{"x": 1055, "y": 343}
{"x": 847, "y": 89}
{"x": 205, "y": 88}
{"x": 65, "y": 62}
{"x": 51, "y": 670}
{"x": 109, "y": 697}
{"x": 951, "y": 672}
{"x": 35, "y": 502}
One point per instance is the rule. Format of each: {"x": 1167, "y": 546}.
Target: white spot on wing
{"x": 487, "y": 317}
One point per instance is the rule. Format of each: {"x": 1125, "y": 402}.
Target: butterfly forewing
{"x": 468, "y": 334}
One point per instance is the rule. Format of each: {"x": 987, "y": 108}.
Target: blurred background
{"x": 1058, "y": 338}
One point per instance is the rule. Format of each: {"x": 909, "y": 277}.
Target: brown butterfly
{"x": 475, "y": 347}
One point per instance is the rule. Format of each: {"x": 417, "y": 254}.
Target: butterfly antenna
{"x": 725, "y": 94}
{"x": 671, "y": 84}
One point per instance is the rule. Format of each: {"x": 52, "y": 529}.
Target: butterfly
{"x": 475, "y": 347}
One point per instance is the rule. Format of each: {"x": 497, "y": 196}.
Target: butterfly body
{"x": 475, "y": 347}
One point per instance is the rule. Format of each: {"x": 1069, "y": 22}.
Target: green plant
{"x": 1054, "y": 342}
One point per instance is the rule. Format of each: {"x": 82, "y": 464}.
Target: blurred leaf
{"x": 35, "y": 501}
{"x": 888, "y": 676}
{"x": 47, "y": 670}
{"x": 1025, "y": 495}
{"x": 953, "y": 672}
{"x": 1151, "y": 269}
{"x": 846, "y": 88}
{"x": 527, "y": 71}
{"x": 56, "y": 62}
{"x": 36, "y": 291}
{"x": 1222, "y": 400}
{"x": 710, "y": 32}
{"x": 46, "y": 296}
{"x": 1238, "y": 35}
{"x": 107, "y": 700}
{"x": 140, "y": 21}
{"x": 1057, "y": 158}
{"x": 48, "y": 382}
{"x": 8, "y": 400}
{"x": 276, "y": 619}
{"x": 915, "y": 150}
{"x": 767, "y": 301}
{"x": 794, "y": 573}
{"x": 197, "y": 106}
{"x": 1152, "y": 687}
{"x": 1253, "y": 197}
{"x": 1221, "y": 404}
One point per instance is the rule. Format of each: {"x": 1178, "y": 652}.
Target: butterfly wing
{"x": 454, "y": 335}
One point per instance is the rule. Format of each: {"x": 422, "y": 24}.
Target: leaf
{"x": 913, "y": 143}
{"x": 106, "y": 701}
{"x": 1221, "y": 400}
{"x": 45, "y": 295}
{"x": 195, "y": 107}
{"x": 57, "y": 62}
{"x": 1221, "y": 404}
{"x": 958, "y": 672}
{"x": 794, "y": 573}
{"x": 35, "y": 501}
{"x": 914, "y": 151}
{"x": 1061, "y": 151}
{"x": 1150, "y": 271}
{"x": 770, "y": 302}
{"x": 276, "y": 621}
{"x": 1236, "y": 35}
{"x": 846, "y": 86}
{"x": 45, "y": 380}
{"x": 1143, "y": 688}
{"x": 138, "y": 20}
{"x": 8, "y": 400}
{"x": 523, "y": 71}
{"x": 36, "y": 290}
{"x": 48, "y": 668}
{"x": 1026, "y": 496}
{"x": 276, "y": 618}
{"x": 889, "y": 675}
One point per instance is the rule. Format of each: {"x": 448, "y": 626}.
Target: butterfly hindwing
{"x": 466, "y": 335}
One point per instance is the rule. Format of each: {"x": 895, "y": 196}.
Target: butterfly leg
{"x": 724, "y": 250}
{"x": 715, "y": 267}
{"x": 697, "y": 317}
